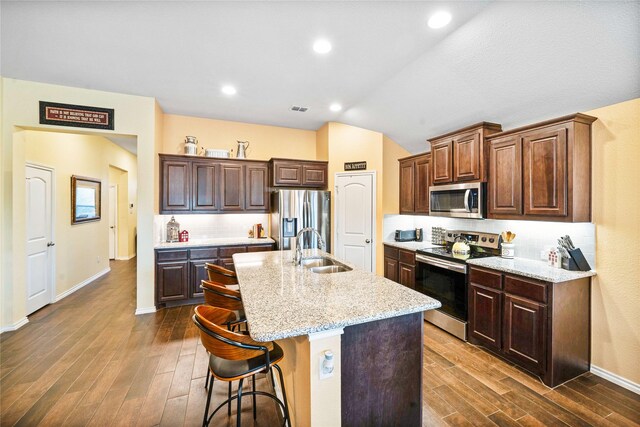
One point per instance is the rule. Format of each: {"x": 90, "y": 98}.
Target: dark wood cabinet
{"x": 211, "y": 185}
{"x": 442, "y": 161}
{"x": 542, "y": 327}
{"x": 175, "y": 186}
{"x": 299, "y": 173}
{"x": 542, "y": 171}
{"x": 466, "y": 157}
{"x": 400, "y": 266}
{"x": 415, "y": 179}
{"x": 179, "y": 272}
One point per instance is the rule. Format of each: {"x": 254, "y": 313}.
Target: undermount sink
{"x": 324, "y": 265}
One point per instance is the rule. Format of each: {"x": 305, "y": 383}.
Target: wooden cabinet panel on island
{"x": 299, "y": 173}
{"x": 415, "y": 179}
{"x": 542, "y": 171}
{"x": 542, "y": 327}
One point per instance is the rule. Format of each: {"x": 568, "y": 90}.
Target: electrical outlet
{"x": 98, "y": 260}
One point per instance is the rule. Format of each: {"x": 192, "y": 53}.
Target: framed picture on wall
{"x": 85, "y": 199}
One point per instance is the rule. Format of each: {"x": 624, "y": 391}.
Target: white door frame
{"x": 52, "y": 249}
{"x": 374, "y": 225}
{"x": 115, "y": 220}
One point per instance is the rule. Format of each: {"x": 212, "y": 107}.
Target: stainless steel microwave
{"x": 458, "y": 200}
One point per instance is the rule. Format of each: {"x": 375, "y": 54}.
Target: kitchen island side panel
{"x": 382, "y": 372}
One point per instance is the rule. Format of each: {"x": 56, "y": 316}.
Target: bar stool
{"x": 235, "y": 356}
{"x": 222, "y": 275}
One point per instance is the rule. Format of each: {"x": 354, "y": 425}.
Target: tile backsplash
{"x": 532, "y": 236}
{"x": 210, "y": 226}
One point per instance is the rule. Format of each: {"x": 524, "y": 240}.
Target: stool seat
{"x": 227, "y": 370}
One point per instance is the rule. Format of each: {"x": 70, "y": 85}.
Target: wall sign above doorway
{"x": 82, "y": 116}
{"x": 355, "y": 166}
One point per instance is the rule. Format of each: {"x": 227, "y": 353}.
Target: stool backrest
{"x": 221, "y": 342}
{"x": 220, "y": 274}
{"x": 218, "y": 295}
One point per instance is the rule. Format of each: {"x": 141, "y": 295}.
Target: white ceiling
{"x": 506, "y": 62}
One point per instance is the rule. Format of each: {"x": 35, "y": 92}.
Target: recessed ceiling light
{"x": 335, "y": 107}
{"x": 439, "y": 19}
{"x": 322, "y": 46}
{"x": 229, "y": 90}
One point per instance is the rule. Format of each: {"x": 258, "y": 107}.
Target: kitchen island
{"x": 371, "y": 325}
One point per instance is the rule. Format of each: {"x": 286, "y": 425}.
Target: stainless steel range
{"x": 441, "y": 273}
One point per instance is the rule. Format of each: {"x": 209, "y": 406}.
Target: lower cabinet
{"x": 179, "y": 272}
{"x": 542, "y": 327}
{"x": 400, "y": 266}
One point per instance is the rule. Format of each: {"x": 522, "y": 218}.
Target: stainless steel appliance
{"x": 442, "y": 274}
{"x": 458, "y": 200}
{"x": 293, "y": 210}
{"x": 414, "y": 235}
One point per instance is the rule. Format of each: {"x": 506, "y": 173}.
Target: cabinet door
{"x": 525, "y": 332}
{"x": 391, "y": 269}
{"x": 505, "y": 176}
{"x": 176, "y": 186}
{"x": 545, "y": 171}
{"x": 314, "y": 175}
{"x": 466, "y": 157}
{"x": 198, "y": 274}
{"x": 205, "y": 186}
{"x": 484, "y": 317}
{"x": 407, "y": 186}
{"x": 442, "y": 158}
{"x": 257, "y": 194}
{"x": 232, "y": 187}
{"x": 287, "y": 173}
{"x": 422, "y": 183}
{"x": 407, "y": 275}
{"x": 172, "y": 281}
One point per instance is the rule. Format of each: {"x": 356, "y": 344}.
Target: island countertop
{"x": 283, "y": 300}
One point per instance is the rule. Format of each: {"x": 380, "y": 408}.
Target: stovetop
{"x": 481, "y": 245}
{"x": 444, "y": 252}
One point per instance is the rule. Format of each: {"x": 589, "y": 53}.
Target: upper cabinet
{"x": 461, "y": 156}
{"x": 415, "y": 179}
{"x": 190, "y": 184}
{"x": 542, "y": 171}
{"x": 299, "y": 173}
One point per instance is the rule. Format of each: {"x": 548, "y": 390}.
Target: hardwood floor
{"x": 87, "y": 360}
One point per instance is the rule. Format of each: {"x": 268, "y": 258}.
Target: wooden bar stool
{"x": 222, "y": 275}
{"x": 235, "y": 356}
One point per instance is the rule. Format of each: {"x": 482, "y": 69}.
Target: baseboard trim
{"x": 616, "y": 379}
{"x": 82, "y": 284}
{"x": 17, "y": 325}
{"x": 145, "y": 310}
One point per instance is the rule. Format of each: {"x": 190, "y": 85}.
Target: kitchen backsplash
{"x": 532, "y": 236}
{"x": 210, "y": 226}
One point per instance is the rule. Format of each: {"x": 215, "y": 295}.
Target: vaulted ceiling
{"x": 506, "y": 62}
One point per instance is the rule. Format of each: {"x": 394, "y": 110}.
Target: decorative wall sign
{"x": 85, "y": 199}
{"x": 355, "y": 166}
{"x": 82, "y": 116}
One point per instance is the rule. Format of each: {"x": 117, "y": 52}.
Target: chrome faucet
{"x": 298, "y": 256}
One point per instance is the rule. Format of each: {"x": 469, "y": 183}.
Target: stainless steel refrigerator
{"x": 293, "y": 210}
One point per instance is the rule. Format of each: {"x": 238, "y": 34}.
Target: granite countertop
{"x": 411, "y": 246}
{"x": 530, "y": 268}
{"x": 222, "y": 241}
{"x": 284, "y": 300}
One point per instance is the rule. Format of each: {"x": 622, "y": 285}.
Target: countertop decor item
{"x": 191, "y": 145}
{"x": 173, "y": 230}
{"x": 508, "y": 248}
{"x": 184, "y": 236}
{"x": 242, "y": 149}
{"x": 215, "y": 152}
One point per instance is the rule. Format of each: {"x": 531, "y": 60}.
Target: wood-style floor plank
{"x": 88, "y": 360}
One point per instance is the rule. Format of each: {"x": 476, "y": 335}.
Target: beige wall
{"x": 322, "y": 142}
{"x": 82, "y": 250}
{"x": 134, "y": 115}
{"x": 615, "y": 302}
{"x": 265, "y": 141}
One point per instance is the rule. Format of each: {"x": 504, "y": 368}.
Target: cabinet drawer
{"x": 259, "y": 248}
{"x": 203, "y": 253}
{"x": 407, "y": 257}
{"x": 163, "y": 256}
{"x": 229, "y": 251}
{"x": 536, "y": 291}
{"x": 391, "y": 252}
{"x": 486, "y": 278}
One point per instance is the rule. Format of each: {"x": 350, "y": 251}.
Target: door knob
{"x": 112, "y": 227}
{"x": 367, "y": 241}
{"x": 50, "y": 244}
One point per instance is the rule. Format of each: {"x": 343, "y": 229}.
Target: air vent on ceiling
{"x": 299, "y": 109}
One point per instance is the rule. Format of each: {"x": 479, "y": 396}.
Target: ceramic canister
{"x": 508, "y": 250}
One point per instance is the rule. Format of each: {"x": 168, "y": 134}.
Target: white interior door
{"x": 40, "y": 257}
{"x": 113, "y": 221}
{"x": 354, "y": 215}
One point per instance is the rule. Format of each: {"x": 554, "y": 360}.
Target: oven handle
{"x": 467, "y": 205}
{"x": 460, "y": 268}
